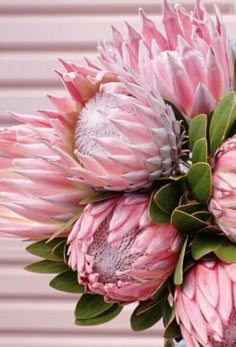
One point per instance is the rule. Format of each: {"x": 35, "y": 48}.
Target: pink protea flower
{"x": 37, "y": 195}
{"x": 124, "y": 136}
{"x": 223, "y": 200}
{"x": 119, "y": 252}
{"x": 206, "y": 305}
{"x": 191, "y": 64}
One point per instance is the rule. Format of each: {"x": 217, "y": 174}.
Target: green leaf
{"x": 178, "y": 275}
{"x": 145, "y": 320}
{"x": 197, "y": 129}
{"x": 90, "y": 306}
{"x": 199, "y": 180}
{"x": 185, "y": 222}
{"x": 59, "y": 250}
{"x": 210, "y": 230}
{"x": 172, "y": 329}
{"x": 226, "y": 251}
{"x": 156, "y": 214}
{"x": 67, "y": 282}
{"x": 168, "y": 196}
{"x": 203, "y": 215}
{"x": 145, "y": 306}
{"x": 166, "y": 311}
{"x": 200, "y": 151}
{"x": 162, "y": 290}
{"x": 203, "y": 245}
{"x": 105, "y": 317}
{"x": 45, "y": 249}
{"x": 191, "y": 208}
{"x": 222, "y": 120}
{"x": 47, "y": 267}
{"x": 99, "y": 196}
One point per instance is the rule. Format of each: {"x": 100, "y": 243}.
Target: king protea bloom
{"x": 206, "y": 305}
{"x": 119, "y": 252}
{"x": 125, "y": 136}
{"x": 223, "y": 200}
{"x": 37, "y": 195}
{"x": 191, "y": 63}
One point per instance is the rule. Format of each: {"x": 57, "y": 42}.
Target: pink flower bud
{"x": 206, "y": 305}
{"x": 223, "y": 200}
{"x": 119, "y": 252}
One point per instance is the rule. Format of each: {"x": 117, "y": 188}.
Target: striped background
{"x": 33, "y": 34}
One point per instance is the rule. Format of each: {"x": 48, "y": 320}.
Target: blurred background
{"x": 33, "y": 35}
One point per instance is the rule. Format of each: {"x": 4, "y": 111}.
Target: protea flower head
{"x": 37, "y": 195}
{"x": 119, "y": 252}
{"x": 223, "y": 200}
{"x": 191, "y": 63}
{"x": 125, "y": 136}
{"x": 206, "y": 305}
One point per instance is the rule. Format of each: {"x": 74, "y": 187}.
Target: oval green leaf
{"x": 226, "y": 251}
{"x": 167, "y": 197}
{"x": 145, "y": 320}
{"x": 162, "y": 290}
{"x": 90, "y": 306}
{"x": 200, "y": 151}
{"x": 172, "y": 329}
{"x": 185, "y": 222}
{"x": 47, "y": 267}
{"x": 67, "y": 282}
{"x": 191, "y": 208}
{"x": 105, "y": 317}
{"x": 203, "y": 245}
{"x": 45, "y": 249}
{"x": 59, "y": 250}
{"x": 197, "y": 129}
{"x": 199, "y": 180}
{"x": 222, "y": 120}
{"x": 156, "y": 214}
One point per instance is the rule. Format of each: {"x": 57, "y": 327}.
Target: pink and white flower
{"x": 191, "y": 64}
{"x": 37, "y": 195}
{"x": 108, "y": 134}
{"x": 125, "y": 136}
{"x": 119, "y": 252}
{"x": 223, "y": 201}
{"x": 206, "y": 305}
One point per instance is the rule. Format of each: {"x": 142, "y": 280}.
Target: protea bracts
{"x": 37, "y": 195}
{"x": 119, "y": 252}
{"x": 125, "y": 136}
{"x": 206, "y": 305}
{"x": 223, "y": 200}
{"x": 167, "y": 61}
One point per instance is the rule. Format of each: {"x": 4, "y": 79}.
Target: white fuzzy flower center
{"x": 94, "y": 123}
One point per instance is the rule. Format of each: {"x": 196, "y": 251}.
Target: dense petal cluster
{"x": 191, "y": 64}
{"x": 37, "y": 194}
{"x": 206, "y": 305}
{"x": 125, "y": 135}
{"x": 223, "y": 200}
{"x": 119, "y": 252}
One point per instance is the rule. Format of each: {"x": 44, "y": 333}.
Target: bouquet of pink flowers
{"x": 128, "y": 188}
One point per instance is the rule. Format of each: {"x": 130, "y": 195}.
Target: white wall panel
{"x": 33, "y": 34}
